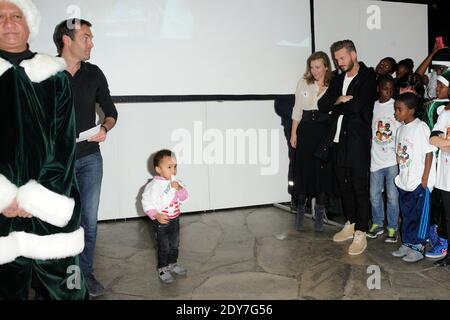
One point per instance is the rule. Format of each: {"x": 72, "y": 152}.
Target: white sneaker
{"x": 415, "y": 254}
{"x": 177, "y": 269}
{"x": 346, "y": 233}
{"x": 402, "y": 251}
{"x": 165, "y": 276}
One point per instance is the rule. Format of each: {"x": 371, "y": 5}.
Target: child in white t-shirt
{"x": 440, "y": 137}
{"x": 416, "y": 179}
{"x": 384, "y": 167}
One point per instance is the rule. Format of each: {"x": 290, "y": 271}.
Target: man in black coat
{"x": 350, "y": 98}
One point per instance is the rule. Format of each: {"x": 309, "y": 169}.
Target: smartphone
{"x": 440, "y": 42}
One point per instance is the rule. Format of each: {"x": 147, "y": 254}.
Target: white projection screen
{"x": 379, "y": 29}
{"x": 191, "y": 47}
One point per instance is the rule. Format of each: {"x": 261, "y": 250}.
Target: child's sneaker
{"x": 177, "y": 269}
{"x": 165, "y": 276}
{"x": 439, "y": 250}
{"x": 433, "y": 237}
{"x": 375, "y": 231}
{"x": 392, "y": 236}
{"x": 402, "y": 251}
{"x": 415, "y": 254}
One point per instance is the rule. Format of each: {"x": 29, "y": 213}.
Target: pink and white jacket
{"x": 160, "y": 197}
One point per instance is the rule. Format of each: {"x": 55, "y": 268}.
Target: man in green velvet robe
{"x": 40, "y": 234}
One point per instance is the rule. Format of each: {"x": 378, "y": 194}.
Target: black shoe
{"x": 95, "y": 288}
{"x": 443, "y": 262}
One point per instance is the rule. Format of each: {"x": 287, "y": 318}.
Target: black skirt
{"x": 312, "y": 176}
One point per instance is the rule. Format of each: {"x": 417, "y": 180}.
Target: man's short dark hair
{"x": 347, "y": 44}
{"x": 67, "y": 28}
{"x": 161, "y": 155}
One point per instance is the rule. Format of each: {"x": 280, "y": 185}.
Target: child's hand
{"x": 425, "y": 183}
{"x": 176, "y": 186}
{"x": 162, "y": 218}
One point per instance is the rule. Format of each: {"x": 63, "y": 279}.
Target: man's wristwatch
{"x": 104, "y": 127}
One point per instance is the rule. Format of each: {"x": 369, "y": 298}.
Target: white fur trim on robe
{"x": 45, "y": 204}
{"x": 8, "y": 192}
{"x": 51, "y": 247}
{"x": 42, "y": 66}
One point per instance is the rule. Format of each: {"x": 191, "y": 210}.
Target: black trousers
{"x": 446, "y": 200}
{"x": 354, "y": 190}
{"x": 168, "y": 241}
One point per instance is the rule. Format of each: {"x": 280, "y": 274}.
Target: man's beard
{"x": 350, "y": 67}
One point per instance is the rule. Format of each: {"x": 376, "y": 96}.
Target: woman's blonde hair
{"x": 319, "y": 55}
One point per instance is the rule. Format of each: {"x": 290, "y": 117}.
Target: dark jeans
{"x": 168, "y": 240}
{"x": 89, "y": 171}
{"x": 354, "y": 189}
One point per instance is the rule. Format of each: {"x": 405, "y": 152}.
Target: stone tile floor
{"x": 256, "y": 254}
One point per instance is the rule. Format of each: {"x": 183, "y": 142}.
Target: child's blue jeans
{"x": 377, "y": 180}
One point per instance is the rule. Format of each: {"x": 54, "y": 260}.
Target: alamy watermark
{"x": 74, "y": 279}
{"x": 374, "y": 280}
{"x": 374, "y": 19}
{"x": 74, "y": 13}
{"x": 228, "y": 147}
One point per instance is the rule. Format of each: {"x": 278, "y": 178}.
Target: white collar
{"x": 39, "y": 68}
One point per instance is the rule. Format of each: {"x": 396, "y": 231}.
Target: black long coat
{"x": 353, "y": 149}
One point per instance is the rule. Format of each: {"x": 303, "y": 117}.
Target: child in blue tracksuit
{"x": 416, "y": 179}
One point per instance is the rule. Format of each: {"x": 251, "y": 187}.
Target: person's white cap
{"x": 445, "y": 78}
{"x": 32, "y": 15}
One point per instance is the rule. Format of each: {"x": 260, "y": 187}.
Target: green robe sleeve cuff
{"x": 45, "y": 204}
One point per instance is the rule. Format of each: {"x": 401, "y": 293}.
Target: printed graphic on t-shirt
{"x": 383, "y": 135}
{"x": 403, "y": 151}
